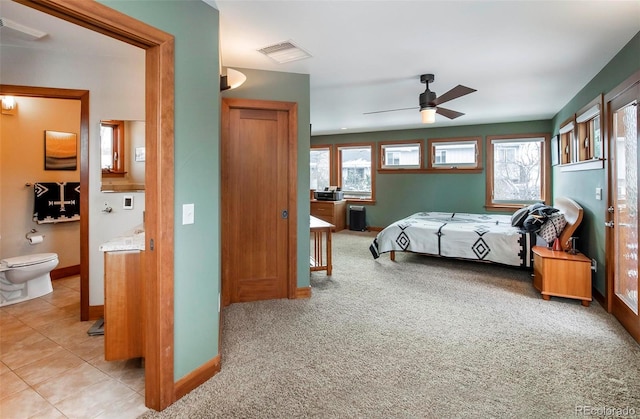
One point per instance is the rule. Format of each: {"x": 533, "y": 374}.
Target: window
{"x": 112, "y": 148}
{"x": 400, "y": 155}
{"x": 454, "y": 153}
{"x": 354, "y": 171}
{"x": 581, "y": 139}
{"x": 589, "y": 131}
{"x": 516, "y": 170}
{"x": 320, "y": 164}
{"x": 567, "y": 142}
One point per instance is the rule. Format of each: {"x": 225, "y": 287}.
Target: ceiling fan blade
{"x": 454, "y": 93}
{"x": 391, "y": 110}
{"x": 448, "y": 113}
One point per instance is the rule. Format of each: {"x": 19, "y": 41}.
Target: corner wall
{"x": 581, "y": 185}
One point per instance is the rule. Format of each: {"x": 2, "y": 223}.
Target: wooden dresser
{"x": 333, "y": 212}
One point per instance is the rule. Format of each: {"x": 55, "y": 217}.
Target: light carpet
{"x": 421, "y": 337}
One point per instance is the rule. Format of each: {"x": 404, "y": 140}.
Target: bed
{"x": 479, "y": 237}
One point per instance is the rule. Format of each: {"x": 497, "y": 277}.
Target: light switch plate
{"x": 598, "y": 194}
{"x": 188, "y": 214}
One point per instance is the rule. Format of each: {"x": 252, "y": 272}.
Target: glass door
{"x": 624, "y": 208}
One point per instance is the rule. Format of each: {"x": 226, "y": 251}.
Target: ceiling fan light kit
{"x": 429, "y": 101}
{"x": 428, "y": 115}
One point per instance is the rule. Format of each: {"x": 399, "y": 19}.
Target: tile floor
{"x": 51, "y": 368}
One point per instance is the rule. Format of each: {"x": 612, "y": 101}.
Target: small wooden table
{"x": 319, "y": 229}
{"x": 561, "y": 274}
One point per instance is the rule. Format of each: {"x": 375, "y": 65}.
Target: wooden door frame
{"x": 159, "y": 175}
{"x": 609, "y": 236}
{"x": 292, "y": 109}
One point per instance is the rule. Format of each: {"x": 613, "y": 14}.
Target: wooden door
{"x": 623, "y": 146}
{"x": 257, "y": 206}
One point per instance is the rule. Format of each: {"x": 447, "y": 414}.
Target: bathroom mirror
{"x": 122, "y": 155}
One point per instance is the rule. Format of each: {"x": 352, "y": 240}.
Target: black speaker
{"x": 357, "y": 218}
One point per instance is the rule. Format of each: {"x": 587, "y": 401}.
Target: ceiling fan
{"x": 429, "y": 101}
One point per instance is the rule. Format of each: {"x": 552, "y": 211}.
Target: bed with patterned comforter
{"x": 480, "y": 237}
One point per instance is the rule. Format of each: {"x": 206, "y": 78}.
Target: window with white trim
{"x": 112, "y": 148}
{"x": 589, "y": 132}
{"x": 454, "y": 153}
{"x": 320, "y": 167}
{"x": 400, "y": 155}
{"x": 516, "y": 170}
{"x": 567, "y": 142}
{"x": 355, "y": 176}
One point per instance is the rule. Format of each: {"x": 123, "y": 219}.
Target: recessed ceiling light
{"x": 284, "y": 52}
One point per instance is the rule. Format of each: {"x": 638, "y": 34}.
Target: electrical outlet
{"x": 598, "y": 194}
{"x": 594, "y": 265}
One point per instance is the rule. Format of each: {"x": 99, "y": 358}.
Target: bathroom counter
{"x": 130, "y": 240}
{"x": 123, "y": 296}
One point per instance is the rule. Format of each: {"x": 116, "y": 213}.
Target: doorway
{"x": 83, "y": 97}
{"x": 259, "y": 189}
{"x": 623, "y": 268}
{"x": 159, "y": 172}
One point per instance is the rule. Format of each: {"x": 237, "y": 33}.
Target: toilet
{"x": 25, "y": 277}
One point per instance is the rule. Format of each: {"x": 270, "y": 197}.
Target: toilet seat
{"x": 27, "y": 260}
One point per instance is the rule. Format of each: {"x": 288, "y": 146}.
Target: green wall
{"x": 400, "y": 195}
{"x": 581, "y": 185}
{"x": 287, "y": 87}
{"x": 197, "y": 172}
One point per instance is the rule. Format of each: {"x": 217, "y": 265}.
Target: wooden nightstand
{"x": 561, "y": 274}
{"x": 333, "y": 212}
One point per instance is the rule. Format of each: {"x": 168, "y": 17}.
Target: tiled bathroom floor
{"x": 51, "y": 368}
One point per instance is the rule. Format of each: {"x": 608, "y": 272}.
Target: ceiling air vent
{"x": 284, "y": 52}
{"x": 9, "y": 27}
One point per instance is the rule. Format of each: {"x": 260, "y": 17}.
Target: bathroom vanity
{"x": 123, "y": 296}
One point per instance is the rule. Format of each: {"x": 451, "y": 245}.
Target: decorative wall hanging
{"x": 60, "y": 151}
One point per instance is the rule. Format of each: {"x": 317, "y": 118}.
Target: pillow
{"x": 552, "y": 228}
{"x": 517, "y": 219}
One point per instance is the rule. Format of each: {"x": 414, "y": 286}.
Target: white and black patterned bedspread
{"x": 485, "y": 237}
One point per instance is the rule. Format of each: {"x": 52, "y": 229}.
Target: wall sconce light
{"x": 428, "y": 115}
{"x": 232, "y": 79}
{"x": 9, "y": 105}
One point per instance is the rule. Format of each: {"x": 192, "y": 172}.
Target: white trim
{"x": 590, "y": 113}
{"x": 566, "y": 128}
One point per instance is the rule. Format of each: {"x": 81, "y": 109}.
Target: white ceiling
{"x": 61, "y": 35}
{"x": 527, "y": 59}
